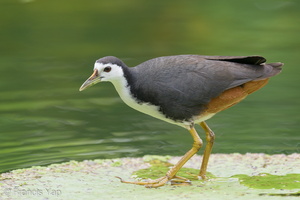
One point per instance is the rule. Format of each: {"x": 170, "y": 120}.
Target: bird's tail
{"x": 271, "y": 69}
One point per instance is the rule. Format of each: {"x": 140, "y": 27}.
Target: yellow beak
{"x": 92, "y": 80}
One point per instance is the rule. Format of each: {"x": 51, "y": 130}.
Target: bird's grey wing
{"x": 203, "y": 75}
{"x": 183, "y": 85}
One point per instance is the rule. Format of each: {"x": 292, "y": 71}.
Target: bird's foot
{"x": 199, "y": 177}
{"x": 149, "y": 183}
{"x": 202, "y": 175}
{"x": 176, "y": 180}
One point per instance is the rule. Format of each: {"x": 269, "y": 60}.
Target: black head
{"x": 111, "y": 60}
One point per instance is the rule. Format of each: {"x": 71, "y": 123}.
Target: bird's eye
{"x": 107, "y": 69}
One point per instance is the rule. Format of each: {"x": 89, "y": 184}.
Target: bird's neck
{"x": 123, "y": 87}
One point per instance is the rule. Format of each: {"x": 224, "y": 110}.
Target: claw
{"x": 148, "y": 184}
{"x": 159, "y": 182}
{"x": 122, "y": 181}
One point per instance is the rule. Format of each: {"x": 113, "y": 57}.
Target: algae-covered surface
{"x": 231, "y": 176}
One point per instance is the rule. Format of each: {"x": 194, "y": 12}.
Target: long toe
{"x": 149, "y": 183}
{"x": 180, "y": 181}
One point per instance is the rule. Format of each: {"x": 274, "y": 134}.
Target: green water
{"x": 48, "y": 48}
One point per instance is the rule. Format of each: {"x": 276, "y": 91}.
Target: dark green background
{"x": 48, "y": 48}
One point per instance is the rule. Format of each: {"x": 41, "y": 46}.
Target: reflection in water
{"x": 46, "y": 54}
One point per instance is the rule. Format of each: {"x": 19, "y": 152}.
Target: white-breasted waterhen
{"x": 184, "y": 90}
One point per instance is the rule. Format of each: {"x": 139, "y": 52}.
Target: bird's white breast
{"x": 124, "y": 92}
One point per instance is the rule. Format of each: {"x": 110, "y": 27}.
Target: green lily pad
{"x": 159, "y": 169}
{"x": 269, "y": 181}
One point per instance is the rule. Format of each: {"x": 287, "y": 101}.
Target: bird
{"x": 184, "y": 90}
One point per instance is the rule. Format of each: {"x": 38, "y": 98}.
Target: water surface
{"x": 48, "y": 49}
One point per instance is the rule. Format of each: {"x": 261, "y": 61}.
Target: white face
{"x": 108, "y": 72}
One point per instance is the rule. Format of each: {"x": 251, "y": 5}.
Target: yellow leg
{"x": 172, "y": 172}
{"x": 210, "y": 137}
